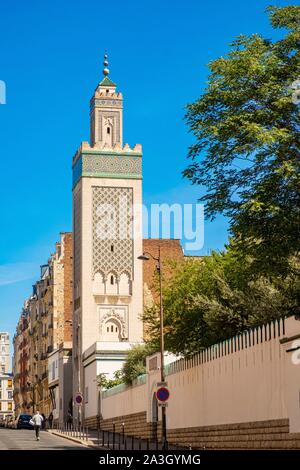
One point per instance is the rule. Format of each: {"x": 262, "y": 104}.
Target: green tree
{"x": 133, "y": 367}
{"x": 211, "y": 300}
{"x": 106, "y": 383}
{"x": 246, "y": 152}
{"x": 135, "y": 363}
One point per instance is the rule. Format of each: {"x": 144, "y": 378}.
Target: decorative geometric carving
{"x": 112, "y": 164}
{"x": 95, "y": 165}
{"x": 112, "y": 231}
{"x": 114, "y": 117}
{"x": 112, "y": 102}
{"x": 119, "y": 314}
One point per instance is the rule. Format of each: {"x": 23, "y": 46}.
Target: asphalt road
{"x": 23, "y": 439}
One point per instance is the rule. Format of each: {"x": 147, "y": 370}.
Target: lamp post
{"x": 146, "y": 257}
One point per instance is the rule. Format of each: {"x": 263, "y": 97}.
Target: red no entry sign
{"x": 78, "y": 399}
{"x": 162, "y": 394}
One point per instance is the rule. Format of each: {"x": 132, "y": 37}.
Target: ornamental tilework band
{"x": 112, "y": 231}
{"x": 111, "y": 164}
{"x": 96, "y": 165}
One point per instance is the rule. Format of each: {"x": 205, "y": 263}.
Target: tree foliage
{"x": 246, "y": 150}
{"x": 106, "y": 383}
{"x": 133, "y": 367}
{"x": 211, "y": 300}
{"x": 135, "y": 363}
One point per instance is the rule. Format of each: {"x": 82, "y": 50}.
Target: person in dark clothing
{"x": 50, "y": 420}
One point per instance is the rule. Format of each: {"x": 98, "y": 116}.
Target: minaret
{"x": 107, "y": 224}
{"x": 106, "y": 113}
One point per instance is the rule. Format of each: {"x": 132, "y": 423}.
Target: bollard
{"x": 114, "y": 435}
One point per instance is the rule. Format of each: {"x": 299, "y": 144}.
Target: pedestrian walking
{"x": 50, "y": 420}
{"x": 37, "y": 420}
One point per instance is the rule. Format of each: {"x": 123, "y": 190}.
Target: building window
{"x": 9, "y": 395}
{"x": 0, "y": 395}
{"x": 0, "y": 406}
{"x": 9, "y": 383}
{"x": 108, "y": 130}
{"x": 112, "y": 248}
{"x": 86, "y": 394}
{"x": 9, "y": 406}
{"x": 112, "y": 280}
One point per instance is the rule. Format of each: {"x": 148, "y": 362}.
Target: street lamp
{"x": 146, "y": 257}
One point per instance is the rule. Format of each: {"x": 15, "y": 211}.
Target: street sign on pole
{"x": 162, "y": 394}
{"x": 78, "y": 399}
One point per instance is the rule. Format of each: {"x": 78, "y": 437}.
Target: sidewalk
{"x": 105, "y": 440}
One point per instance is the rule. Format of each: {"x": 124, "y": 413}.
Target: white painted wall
{"x": 257, "y": 383}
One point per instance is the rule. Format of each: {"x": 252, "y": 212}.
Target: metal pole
{"x": 114, "y": 435}
{"x": 162, "y": 350}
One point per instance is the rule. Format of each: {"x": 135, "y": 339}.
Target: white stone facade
{"x": 4, "y": 353}
{"x": 107, "y": 223}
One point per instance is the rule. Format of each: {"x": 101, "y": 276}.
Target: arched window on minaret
{"x": 108, "y": 132}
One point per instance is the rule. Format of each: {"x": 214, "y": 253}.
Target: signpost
{"x": 162, "y": 395}
{"x": 78, "y": 399}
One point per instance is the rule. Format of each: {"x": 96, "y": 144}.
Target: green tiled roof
{"x": 107, "y": 82}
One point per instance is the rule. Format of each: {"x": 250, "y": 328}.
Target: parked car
{"x": 22, "y": 422}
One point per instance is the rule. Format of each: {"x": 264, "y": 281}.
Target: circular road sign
{"x": 78, "y": 399}
{"x": 162, "y": 394}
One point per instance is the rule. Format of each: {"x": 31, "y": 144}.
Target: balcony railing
{"x": 49, "y": 349}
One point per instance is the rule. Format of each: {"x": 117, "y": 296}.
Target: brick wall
{"x": 68, "y": 285}
{"x": 272, "y": 434}
{"x": 134, "y": 425}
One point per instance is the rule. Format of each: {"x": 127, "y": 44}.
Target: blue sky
{"x": 51, "y": 61}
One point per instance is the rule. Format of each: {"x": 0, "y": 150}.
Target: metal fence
{"x": 113, "y": 440}
{"x": 72, "y": 430}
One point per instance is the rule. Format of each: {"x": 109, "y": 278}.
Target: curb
{"x": 87, "y": 443}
